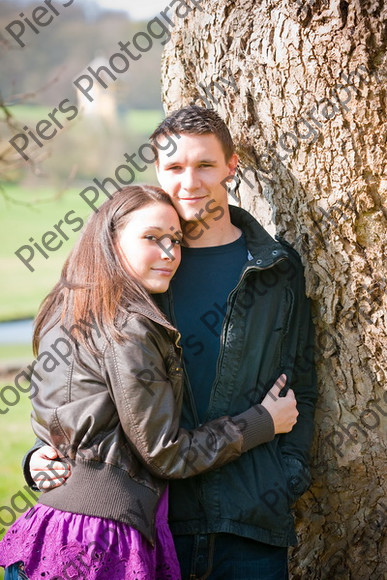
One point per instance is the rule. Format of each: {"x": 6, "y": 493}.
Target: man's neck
{"x": 211, "y": 233}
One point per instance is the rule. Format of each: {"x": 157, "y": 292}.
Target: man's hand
{"x": 283, "y": 410}
{"x": 45, "y": 470}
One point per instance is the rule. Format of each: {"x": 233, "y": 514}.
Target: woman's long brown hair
{"x": 93, "y": 278}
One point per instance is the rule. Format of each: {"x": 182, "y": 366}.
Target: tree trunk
{"x": 302, "y": 87}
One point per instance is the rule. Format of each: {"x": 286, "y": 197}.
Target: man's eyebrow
{"x": 177, "y": 162}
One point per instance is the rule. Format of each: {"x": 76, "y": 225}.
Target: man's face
{"x": 194, "y": 173}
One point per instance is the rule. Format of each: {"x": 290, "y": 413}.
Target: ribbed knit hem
{"x": 105, "y": 491}
{"x": 257, "y": 426}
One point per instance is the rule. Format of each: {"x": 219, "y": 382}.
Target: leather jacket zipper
{"x": 226, "y": 321}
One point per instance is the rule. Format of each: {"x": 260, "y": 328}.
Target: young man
{"x": 238, "y": 300}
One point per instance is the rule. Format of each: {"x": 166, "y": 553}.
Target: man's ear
{"x": 232, "y": 163}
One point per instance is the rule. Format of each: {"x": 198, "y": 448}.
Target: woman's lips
{"x": 163, "y": 271}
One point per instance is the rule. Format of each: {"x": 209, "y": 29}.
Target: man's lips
{"x": 192, "y": 198}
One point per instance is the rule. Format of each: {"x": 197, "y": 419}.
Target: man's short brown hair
{"x": 194, "y": 120}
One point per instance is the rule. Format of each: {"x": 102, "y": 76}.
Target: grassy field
{"x": 18, "y": 437}
{"x": 31, "y": 214}
{"x": 27, "y": 214}
{"x": 12, "y": 352}
{"x": 143, "y": 121}
{"x": 17, "y": 432}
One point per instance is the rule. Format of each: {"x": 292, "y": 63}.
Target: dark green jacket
{"x": 267, "y": 331}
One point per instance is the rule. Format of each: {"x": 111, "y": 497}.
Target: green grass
{"x": 140, "y": 121}
{"x": 143, "y": 122}
{"x": 29, "y": 113}
{"x": 15, "y": 352}
{"x": 30, "y": 213}
{"x": 33, "y": 214}
{"x": 18, "y": 437}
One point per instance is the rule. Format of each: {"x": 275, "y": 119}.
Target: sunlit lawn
{"x": 21, "y": 290}
{"x": 142, "y": 121}
{"x": 27, "y": 213}
{"x": 17, "y": 438}
{"x": 15, "y": 352}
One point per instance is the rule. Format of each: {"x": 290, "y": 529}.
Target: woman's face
{"x": 149, "y": 245}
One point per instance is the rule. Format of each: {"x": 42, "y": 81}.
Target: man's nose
{"x": 190, "y": 180}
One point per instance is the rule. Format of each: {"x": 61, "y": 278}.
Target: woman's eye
{"x": 152, "y": 238}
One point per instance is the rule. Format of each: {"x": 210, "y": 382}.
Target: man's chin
{"x": 191, "y": 212}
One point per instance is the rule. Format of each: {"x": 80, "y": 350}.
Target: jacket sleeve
{"x": 26, "y": 464}
{"x": 300, "y": 368}
{"x": 147, "y": 392}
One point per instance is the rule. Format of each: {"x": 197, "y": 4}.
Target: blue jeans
{"x": 15, "y": 572}
{"x": 226, "y": 556}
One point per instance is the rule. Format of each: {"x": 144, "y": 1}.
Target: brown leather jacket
{"x": 115, "y": 417}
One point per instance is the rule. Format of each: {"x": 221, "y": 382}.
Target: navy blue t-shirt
{"x": 200, "y": 289}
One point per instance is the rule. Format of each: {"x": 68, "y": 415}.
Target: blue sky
{"x": 137, "y": 9}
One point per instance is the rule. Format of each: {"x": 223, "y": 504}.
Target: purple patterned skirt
{"x": 56, "y": 545}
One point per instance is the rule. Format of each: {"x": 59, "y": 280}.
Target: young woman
{"x": 109, "y": 401}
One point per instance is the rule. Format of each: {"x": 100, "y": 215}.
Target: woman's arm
{"x": 148, "y": 399}
{"x": 149, "y": 406}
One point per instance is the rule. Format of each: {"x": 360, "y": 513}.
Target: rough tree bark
{"x": 302, "y": 87}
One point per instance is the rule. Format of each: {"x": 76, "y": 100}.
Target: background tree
{"x": 306, "y": 104}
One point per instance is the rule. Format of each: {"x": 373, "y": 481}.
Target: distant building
{"x": 104, "y": 104}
